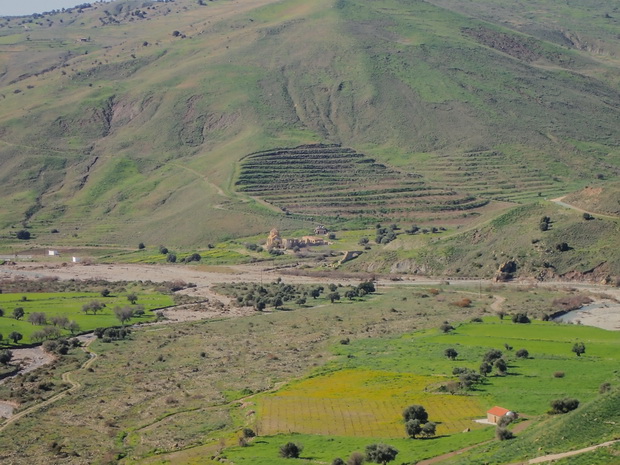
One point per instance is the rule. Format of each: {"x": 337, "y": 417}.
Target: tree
{"x": 15, "y": 337}
{"x": 587, "y": 216}
{"x": 94, "y": 306}
{"x": 501, "y": 366}
{"x": 314, "y": 293}
{"x": 522, "y": 353}
{"x": 1, "y": 312}
{"x": 23, "y": 235}
{"x": 429, "y": 429}
{"x": 380, "y": 453}
{"x": 485, "y": 368}
{"x": 132, "y": 298}
{"x": 351, "y": 294}
{"x": 290, "y": 450}
{"x": 564, "y": 405}
{"x": 37, "y": 318}
{"x": 278, "y": 302}
{"x": 451, "y": 353}
{"x": 579, "y": 348}
{"x": 105, "y": 292}
{"x": 501, "y": 314}
{"x": 338, "y": 461}
{"x": 163, "y": 250}
{"x": 73, "y": 326}
{"x": 413, "y": 428}
{"x": 123, "y": 314}
{"x": 333, "y": 296}
{"x": 492, "y": 355}
{"x": 18, "y": 313}
{"x": 6, "y": 356}
{"x": 415, "y": 412}
{"x": 367, "y": 286}
{"x": 171, "y": 258}
{"x": 141, "y": 246}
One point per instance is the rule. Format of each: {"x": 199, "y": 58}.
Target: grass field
{"x": 362, "y": 403}
{"x": 70, "y": 304}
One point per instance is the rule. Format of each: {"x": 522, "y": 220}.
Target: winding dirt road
{"x": 66, "y": 377}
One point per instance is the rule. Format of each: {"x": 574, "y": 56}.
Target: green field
{"x": 364, "y": 391}
{"x": 70, "y": 304}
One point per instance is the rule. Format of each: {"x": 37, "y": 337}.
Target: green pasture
{"x": 264, "y": 450}
{"x": 549, "y": 346}
{"x": 70, "y": 304}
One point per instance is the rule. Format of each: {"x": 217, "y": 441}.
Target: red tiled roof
{"x": 498, "y": 411}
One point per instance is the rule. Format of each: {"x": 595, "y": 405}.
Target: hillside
{"x": 604, "y": 200}
{"x": 514, "y": 237}
{"x": 128, "y": 120}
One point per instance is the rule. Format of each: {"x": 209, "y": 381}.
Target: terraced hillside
{"x": 329, "y": 180}
{"x": 495, "y": 175}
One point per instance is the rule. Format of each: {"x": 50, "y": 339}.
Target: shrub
{"x": 381, "y": 453}
{"x": 356, "y": 458}
{"x": 290, "y": 450}
{"x": 463, "y": 303}
{"x": 564, "y": 405}
{"x": 23, "y": 235}
{"x": 248, "y": 433}
{"x": 522, "y": 353}
{"x": 446, "y": 327}
{"x": 520, "y": 318}
{"x": 558, "y": 374}
{"x": 605, "y": 387}
{"x": 503, "y": 434}
{"x": 338, "y": 461}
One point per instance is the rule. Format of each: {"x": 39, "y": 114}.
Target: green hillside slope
{"x": 127, "y": 119}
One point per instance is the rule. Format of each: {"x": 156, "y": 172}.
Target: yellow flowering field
{"x": 365, "y": 403}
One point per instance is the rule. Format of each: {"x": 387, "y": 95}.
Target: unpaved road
{"x": 8, "y": 407}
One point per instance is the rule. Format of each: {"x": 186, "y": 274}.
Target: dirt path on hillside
{"x": 562, "y": 455}
{"x": 560, "y": 201}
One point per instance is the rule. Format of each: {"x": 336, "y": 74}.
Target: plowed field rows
{"x": 362, "y": 403}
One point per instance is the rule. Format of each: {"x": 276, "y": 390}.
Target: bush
{"x": 338, "y": 461}
{"x": 558, "y": 374}
{"x": 520, "y": 318}
{"x": 564, "y": 405}
{"x": 503, "y": 434}
{"x": 522, "y": 353}
{"x": 23, "y": 235}
{"x": 605, "y": 387}
{"x": 290, "y": 450}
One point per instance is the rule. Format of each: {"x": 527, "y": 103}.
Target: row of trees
{"x": 375, "y": 453}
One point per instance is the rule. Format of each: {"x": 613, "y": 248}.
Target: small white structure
{"x": 53, "y": 253}
{"x": 76, "y": 259}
